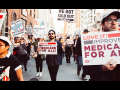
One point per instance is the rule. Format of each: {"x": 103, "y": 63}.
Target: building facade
{"x": 27, "y": 16}
{"x": 91, "y": 18}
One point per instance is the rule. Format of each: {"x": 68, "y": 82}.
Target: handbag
{"x": 33, "y": 54}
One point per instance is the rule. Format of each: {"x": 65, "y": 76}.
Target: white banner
{"x": 2, "y": 17}
{"x": 70, "y": 41}
{"x": 39, "y": 28}
{"x": 66, "y": 14}
{"x": 99, "y": 49}
{"x": 48, "y": 48}
{"x": 17, "y": 28}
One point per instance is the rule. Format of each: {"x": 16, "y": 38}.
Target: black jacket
{"x": 79, "y": 47}
{"x": 53, "y": 60}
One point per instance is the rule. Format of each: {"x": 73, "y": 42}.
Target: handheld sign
{"x": 2, "y": 17}
{"x": 39, "y": 28}
{"x": 99, "y": 49}
{"x": 17, "y": 28}
{"x": 70, "y": 41}
{"x": 47, "y": 48}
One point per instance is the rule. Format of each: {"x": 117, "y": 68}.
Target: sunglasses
{"x": 51, "y": 33}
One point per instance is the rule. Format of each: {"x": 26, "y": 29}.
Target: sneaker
{"x": 40, "y": 74}
{"x": 84, "y": 79}
{"x": 37, "y": 74}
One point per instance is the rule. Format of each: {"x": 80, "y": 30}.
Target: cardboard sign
{"x": 2, "y": 17}
{"x": 48, "y": 48}
{"x": 66, "y": 14}
{"x": 99, "y": 49}
{"x": 70, "y": 41}
{"x": 39, "y": 28}
{"x": 17, "y": 28}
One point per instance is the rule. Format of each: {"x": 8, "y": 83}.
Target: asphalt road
{"x": 66, "y": 72}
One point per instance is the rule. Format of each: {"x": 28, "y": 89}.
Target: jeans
{"x": 61, "y": 58}
{"x": 39, "y": 62}
{"x": 80, "y": 64}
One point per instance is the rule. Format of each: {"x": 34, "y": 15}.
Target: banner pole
{"x": 65, "y": 26}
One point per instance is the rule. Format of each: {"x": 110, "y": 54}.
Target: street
{"x": 66, "y": 72}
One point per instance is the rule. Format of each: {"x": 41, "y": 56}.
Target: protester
{"x": 15, "y": 49}
{"x": 60, "y": 39}
{"x": 22, "y": 51}
{"x": 39, "y": 58}
{"x": 68, "y": 51}
{"x": 74, "y": 48}
{"x": 108, "y": 72}
{"x": 12, "y": 70}
{"x": 79, "y": 55}
{"x": 53, "y": 61}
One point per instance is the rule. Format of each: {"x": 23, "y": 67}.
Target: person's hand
{"x": 109, "y": 67}
{"x": 39, "y": 49}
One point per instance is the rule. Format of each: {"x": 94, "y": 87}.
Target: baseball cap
{"x": 116, "y": 13}
{"x": 6, "y": 39}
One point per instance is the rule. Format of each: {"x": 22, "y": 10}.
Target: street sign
{"x": 66, "y": 15}
{"x": 17, "y": 28}
{"x": 39, "y": 28}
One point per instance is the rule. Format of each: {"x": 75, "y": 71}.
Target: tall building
{"x": 91, "y": 18}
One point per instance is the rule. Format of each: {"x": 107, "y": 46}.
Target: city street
{"x": 66, "y": 72}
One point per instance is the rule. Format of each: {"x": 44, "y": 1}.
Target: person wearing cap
{"x": 108, "y": 72}
{"x": 13, "y": 70}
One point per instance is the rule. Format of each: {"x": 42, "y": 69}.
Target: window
{"x": 14, "y": 17}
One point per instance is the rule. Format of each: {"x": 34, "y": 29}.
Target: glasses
{"x": 111, "y": 20}
{"x": 2, "y": 45}
{"x": 51, "y": 33}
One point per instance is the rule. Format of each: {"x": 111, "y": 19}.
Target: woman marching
{"x": 39, "y": 59}
{"x": 22, "y": 51}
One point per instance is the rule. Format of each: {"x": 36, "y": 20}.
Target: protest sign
{"x": 99, "y": 49}
{"x": 47, "y": 48}
{"x": 17, "y": 28}
{"x": 69, "y": 41}
{"x": 2, "y": 17}
{"x": 29, "y": 29}
{"x": 66, "y": 14}
{"x": 59, "y": 35}
{"x": 39, "y": 28}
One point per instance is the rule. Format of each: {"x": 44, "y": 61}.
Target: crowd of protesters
{"x": 22, "y": 52}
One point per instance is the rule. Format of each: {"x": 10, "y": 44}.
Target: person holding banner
{"x": 68, "y": 50}
{"x": 39, "y": 58}
{"x": 53, "y": 61}
{"x": 108, "y": 72}
{"x": 22, "y": 51}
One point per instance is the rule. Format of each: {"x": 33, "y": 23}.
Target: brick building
{"x": 27, "y": 16}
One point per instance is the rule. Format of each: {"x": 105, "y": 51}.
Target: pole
{"x": 65, "y": 26}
